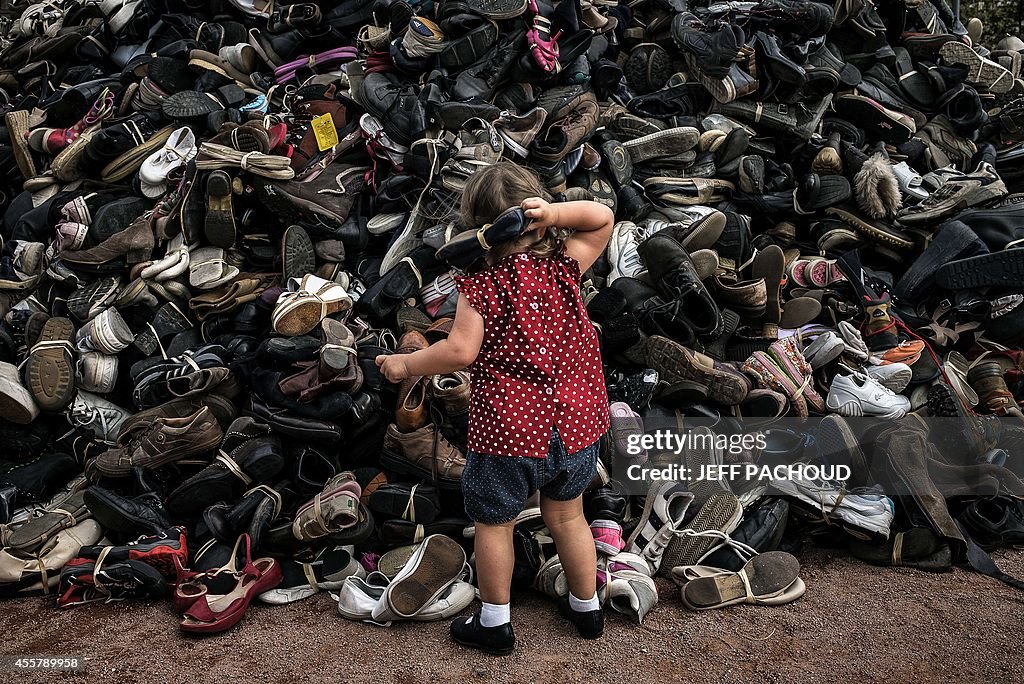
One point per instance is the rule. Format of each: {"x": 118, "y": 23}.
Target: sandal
{"x": 306, "y": 303}
{"x": 770, "y": 578}
{"x": 212, "y": 613}
{"x": 334, "y": 509}
{"x": 302, "y": 15}
{"x": 543, "y": 46}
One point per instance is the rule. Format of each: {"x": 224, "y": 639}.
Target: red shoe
{"x": 213, "y": 613}
{"x": 53, "y": 140}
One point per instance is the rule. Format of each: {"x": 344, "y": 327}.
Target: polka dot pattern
{"x": 539, "y": 365}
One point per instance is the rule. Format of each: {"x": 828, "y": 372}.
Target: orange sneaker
{"x": 907, "y": 351}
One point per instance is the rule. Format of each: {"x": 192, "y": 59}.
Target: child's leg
{"x": 574, "y": 542}
{"x": 495, "y": 559}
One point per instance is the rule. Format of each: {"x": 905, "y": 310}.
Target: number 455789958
{"x": 22, "y": 663}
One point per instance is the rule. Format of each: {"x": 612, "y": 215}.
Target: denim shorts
{"x": 495, "y": 488}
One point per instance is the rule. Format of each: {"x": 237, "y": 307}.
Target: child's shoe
{"x": 589, "y": 624}
{"x": 468, "y": 631}
{"x": 607, "y": 536}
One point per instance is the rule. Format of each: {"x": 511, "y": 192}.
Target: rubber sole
{"x": 220, "y": 215}
{"x": 298, "y": 256}
{"x": 189, "y": 104}
{"x": 981, "y": 71}
{"x": 661, "y": 144}
{"x": 999, "y": 269}
{"x": 48, "y": 370}
{"x": 721, "y": 511}
{"x": 440, "y": 564}
{"x": 675, "y": 363}
{"x": 870, "y": 231}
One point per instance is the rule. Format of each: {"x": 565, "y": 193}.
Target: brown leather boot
{"x": 993, "y": 394}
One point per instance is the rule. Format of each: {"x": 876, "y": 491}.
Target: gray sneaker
{"x": 957, "y": 193}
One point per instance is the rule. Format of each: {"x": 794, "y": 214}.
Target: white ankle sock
{"x": 584, "y": 606}
{"x": 496, "y": 614}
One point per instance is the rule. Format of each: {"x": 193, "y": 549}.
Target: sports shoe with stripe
{"x": 663, "y": 514}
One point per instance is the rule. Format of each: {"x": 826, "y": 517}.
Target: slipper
{"x": 306, "y": 303}
{"x": 35, "y": 533}
{"x": 301, "y": 579}
{"x": 334, "y": 509}
{"x": 767, "y": 577}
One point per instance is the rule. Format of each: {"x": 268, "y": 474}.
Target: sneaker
{"x": 858, "y": 395}
{"x": 97, "y": 372}
{"x": 894, "y": 376}
{"x": 862, "y": 513}
{"x": 956, "y": 194}
{"x": 165, "y": 441}
{"x": 97, "y": 415}
{"x": 107, "y": 333}
{"x": 607, "y": 536}
{"x": 664, "y": 510}
{"x": 907, "y": 351}
{"x": 622, "y": 251}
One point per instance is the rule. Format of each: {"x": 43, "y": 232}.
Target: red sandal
{"x": 213, "y": 613}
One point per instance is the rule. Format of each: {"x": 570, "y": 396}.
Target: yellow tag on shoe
{"x": 325, "y": 132}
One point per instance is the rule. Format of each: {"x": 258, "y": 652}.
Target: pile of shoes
{"x": 215, "y": 219}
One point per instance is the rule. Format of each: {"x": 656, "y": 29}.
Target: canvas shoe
{"x": 107, "y": 333}
{"x": 607, "y": 536}
{"x": 664, "y": 509}
{"x": 858, "y": 395}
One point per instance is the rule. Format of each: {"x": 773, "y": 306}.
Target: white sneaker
{"x": 663, "y": 514}
{"x": 854, "y": 341}
{"x": 622, "y": 251}
{"x": 865, "y": 512}
{"x": 858, "y": 395}
{"x": 97, "y": 372}
{"x": 909, "y": 181}
{"x": 108, "y": 333}
{"x": 894, "y": 376}
{"x": 103, "y": 418}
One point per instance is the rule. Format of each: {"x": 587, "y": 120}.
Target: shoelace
{"x": 86, "y": 415}
{"x": 214, "y": 156}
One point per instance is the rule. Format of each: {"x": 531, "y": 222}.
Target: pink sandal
{"x": 543, "y": 45}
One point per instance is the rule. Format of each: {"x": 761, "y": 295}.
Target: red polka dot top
{"x": 539, "y": 364}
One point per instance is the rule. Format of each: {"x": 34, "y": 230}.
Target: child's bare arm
{"x": 591, "y": 221}
{"x": 456, "y": 352}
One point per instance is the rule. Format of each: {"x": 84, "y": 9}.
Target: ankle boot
{"x": 987, "y": 380}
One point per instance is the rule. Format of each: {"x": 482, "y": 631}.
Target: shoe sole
{"x": 836, "y": 438}
{"x": 298, "y": 256}
{"x": 189, "y": 105}
{"x": 220, "y": 216}
{"x": 720, "y": 512}
{"x": 986, "y": 73}
{"x": 49, "y": 372}
{"x": 129, "y": 162}
{"x": 440, "y": 563}
{"x": 676, "y": 364}
{"x": 999, "y": 269}
{"x": 17, "y": 128}
{"x": 704, "y": 232}
{"x": 498, "y": 9}
{"x": 869, "y": 231}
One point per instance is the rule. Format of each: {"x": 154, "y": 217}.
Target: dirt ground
{"x": 856, "y": 623}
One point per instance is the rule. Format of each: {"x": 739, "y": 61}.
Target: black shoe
{"x": 715, "y": 51}
{"x": 589, "y": 624}
{"x": 143, "y": 515}
{"x": 468, "y": 631}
